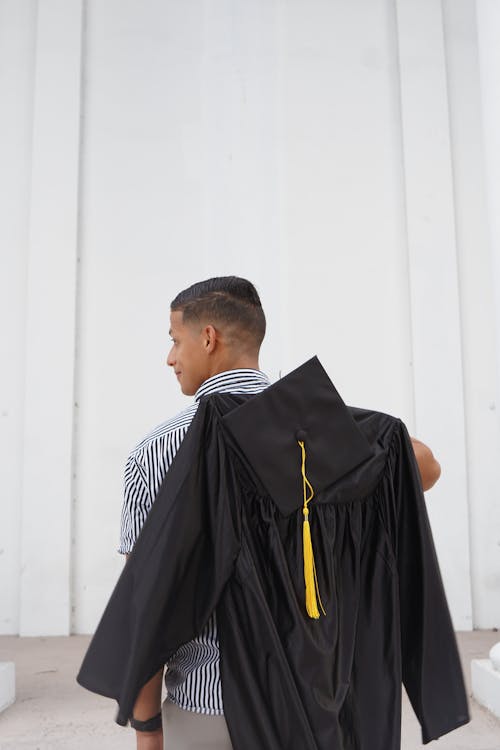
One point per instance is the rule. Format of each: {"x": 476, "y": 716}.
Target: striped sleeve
{"x": 158, "y": 455}
{"x": 144, "y": 473}
{"x": 136, "y": 504}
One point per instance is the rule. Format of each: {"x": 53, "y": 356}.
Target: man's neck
{"x": 242, "y": 363}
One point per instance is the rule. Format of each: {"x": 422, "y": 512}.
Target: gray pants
{"x": 187, "y": 730}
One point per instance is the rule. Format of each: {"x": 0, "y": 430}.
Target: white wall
{"x": 17, "y": 37}
{"x": 174, "y": 147}
{"x": 327, "y": 151}
{"x": 46, "y": 538}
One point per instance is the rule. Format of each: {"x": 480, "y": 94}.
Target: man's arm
{"x": 136, "y": 507}
{"x": 430, "y": 469}
{"x": 147, "y": 705}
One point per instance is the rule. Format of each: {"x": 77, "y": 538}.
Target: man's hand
{"x": 150, "y": 740}
{"x": 429, "y": 468}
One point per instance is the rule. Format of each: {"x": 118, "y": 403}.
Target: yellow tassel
{"x": 311, "y": 603}
{"x": 310, "y": 577}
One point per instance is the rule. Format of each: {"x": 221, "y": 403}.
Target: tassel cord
{"x": 310, "y": 575}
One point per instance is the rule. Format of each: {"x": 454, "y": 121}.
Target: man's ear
{"x": 210, "y": 339}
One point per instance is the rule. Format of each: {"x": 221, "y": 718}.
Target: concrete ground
{"x": 52, "y": 712}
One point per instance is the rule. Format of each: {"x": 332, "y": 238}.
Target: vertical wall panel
{"x": 435, "y": 304}
{"x": 17, "y": 45}
{"x": 484, "y": 321}
{"x": 347, "y": 267}
{"x": 50, "y": 324}
{"x": 240, "y": 144}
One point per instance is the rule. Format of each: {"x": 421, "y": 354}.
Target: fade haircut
{"x": 228, "y": 301}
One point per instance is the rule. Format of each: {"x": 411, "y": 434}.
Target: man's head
{"x": 215, "y": 325}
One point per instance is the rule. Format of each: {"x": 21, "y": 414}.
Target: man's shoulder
{"x": 177, "y": 424}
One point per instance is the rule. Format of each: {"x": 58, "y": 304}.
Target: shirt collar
{"x": 244, "y": 380}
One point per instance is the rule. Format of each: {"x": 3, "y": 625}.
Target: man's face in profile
{"x": 188, "y": 355}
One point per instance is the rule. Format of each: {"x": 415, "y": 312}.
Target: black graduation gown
{"x": 214, "y": 539}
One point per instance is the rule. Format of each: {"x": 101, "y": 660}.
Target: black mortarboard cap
{"x": 302, "y": 406}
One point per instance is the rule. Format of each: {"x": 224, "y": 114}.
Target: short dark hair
{"x": 227, "y": 300}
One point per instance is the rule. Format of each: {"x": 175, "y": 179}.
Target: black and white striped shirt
{"x": 193, "y": 676}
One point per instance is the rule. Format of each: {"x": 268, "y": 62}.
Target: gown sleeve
{"x": 432, "y": 673}
{"x": 175, "y": 575}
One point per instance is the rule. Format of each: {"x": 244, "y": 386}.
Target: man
{"x": 217, "y": 327}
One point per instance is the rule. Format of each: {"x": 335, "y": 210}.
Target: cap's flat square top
{"x": 302, "y": 406}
